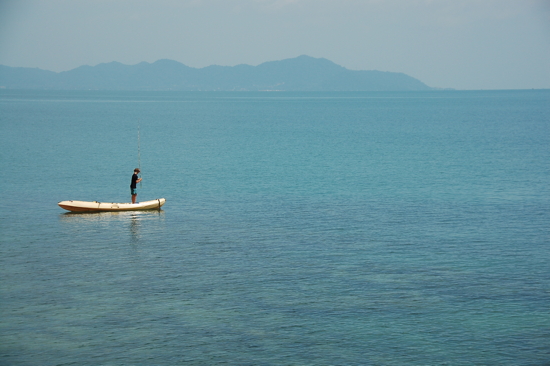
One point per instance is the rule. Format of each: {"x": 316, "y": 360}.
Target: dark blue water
{"x": 299, "y": 228}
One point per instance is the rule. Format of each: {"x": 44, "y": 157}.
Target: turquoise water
{"x": 299, "y": 229}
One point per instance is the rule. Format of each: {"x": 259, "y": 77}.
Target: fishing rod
{"x": 139, "y": 156}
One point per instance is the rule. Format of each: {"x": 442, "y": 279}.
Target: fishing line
{"x": 139, "y": 156}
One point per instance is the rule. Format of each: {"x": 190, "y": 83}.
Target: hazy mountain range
{"x": 302, "y": 73}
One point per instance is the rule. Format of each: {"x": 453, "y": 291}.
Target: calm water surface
{"x": 299, "y": 229}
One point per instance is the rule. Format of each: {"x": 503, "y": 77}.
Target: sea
{"x": 361, "y": 228}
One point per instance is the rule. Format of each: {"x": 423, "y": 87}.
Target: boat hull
{"x": 85, "y": 206}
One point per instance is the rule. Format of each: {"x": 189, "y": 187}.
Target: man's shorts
{"x": 133, "y": 190}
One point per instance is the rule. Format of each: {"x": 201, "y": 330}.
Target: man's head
{"x": 136, "y": 170}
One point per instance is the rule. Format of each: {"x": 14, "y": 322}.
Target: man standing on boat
{"x": 133, "y": 186}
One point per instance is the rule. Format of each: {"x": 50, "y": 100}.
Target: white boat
{"x": 85, "y": 206}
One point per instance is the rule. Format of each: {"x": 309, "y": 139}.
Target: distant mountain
{"x": 302, "y": 73}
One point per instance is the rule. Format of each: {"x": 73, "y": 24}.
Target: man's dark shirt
{"x": 134, "y": 179}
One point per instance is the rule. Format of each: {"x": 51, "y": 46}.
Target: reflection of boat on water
{"x": 85, "y": 206}
{"x": 136, "y": 224}
{"x": 110, "y": 217}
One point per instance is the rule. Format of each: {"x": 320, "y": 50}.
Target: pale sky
{"x": 462, "y": 44}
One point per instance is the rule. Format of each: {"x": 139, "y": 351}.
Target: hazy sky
{"x": 462, "y": 44}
